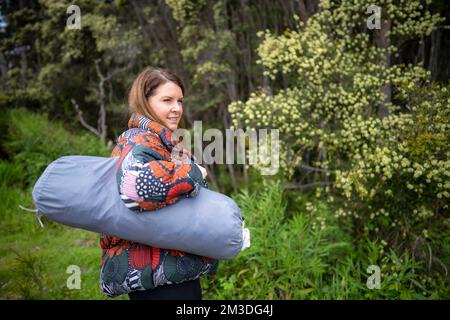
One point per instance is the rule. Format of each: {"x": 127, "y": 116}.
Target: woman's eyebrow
{"x": 170, "y": 97}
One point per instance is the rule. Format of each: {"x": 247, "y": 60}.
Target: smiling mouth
{"x": 173, "y": 118}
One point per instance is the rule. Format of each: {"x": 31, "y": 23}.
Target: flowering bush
{"x": 376, "y": 132}
{"x": 397, "y": 182}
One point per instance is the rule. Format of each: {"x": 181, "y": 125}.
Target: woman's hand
{"x": 203, "y": 170}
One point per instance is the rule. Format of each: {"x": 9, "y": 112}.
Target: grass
{"x": 34, "y": 260}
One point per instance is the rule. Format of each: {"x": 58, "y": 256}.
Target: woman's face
{"x": 167, "y": 104}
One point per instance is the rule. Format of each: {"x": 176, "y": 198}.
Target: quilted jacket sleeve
{"x": 149, "y": 180}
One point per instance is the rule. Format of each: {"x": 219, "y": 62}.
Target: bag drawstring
{"x": 38, "y": 214}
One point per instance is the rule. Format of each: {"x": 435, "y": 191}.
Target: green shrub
{"x": 29, "y": 280}
{"x": 309, "y": 254}
{"x": 33, "y": 141}
{"x": 287, "y": 257}
{"x": 14, "y": 220}
{"x": 12, "y": 174}
{"x": 397, "y": 187}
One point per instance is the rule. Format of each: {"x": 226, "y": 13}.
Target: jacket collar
{"x": 138, "y": 120}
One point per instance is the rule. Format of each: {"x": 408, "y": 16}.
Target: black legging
{"x": 188, "y": 290}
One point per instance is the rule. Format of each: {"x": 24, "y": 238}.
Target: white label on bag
{"x": 246, "y": 237}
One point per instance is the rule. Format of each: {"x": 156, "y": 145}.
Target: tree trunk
{"x": 23, "y": 68}
{"x": 230, "y": 166}
{"x": 436, "y": 37}
{"x": 3, "y": 66}
{"x": 212, "y": 177}
{"x": 302, "y": 12}
{"x": 101, "y": 124}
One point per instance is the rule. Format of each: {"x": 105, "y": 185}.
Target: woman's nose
{"x": 176, "y": 107}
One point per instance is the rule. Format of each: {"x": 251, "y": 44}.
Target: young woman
{"x": 148, "y": 179}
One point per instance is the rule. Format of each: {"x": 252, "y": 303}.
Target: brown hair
{"x": 145, "y": 85}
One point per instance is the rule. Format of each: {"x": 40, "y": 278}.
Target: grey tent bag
{"x": 82, "y": 192}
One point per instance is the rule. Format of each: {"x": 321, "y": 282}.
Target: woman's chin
{"x": 171, "y": 126}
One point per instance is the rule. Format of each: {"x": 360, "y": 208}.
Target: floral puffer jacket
{"x": 149, "y": 179}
